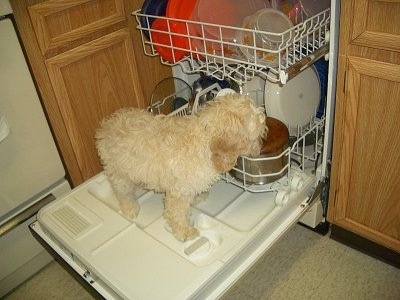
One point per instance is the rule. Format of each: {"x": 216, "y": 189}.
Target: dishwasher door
{"x": 142, "y": 260}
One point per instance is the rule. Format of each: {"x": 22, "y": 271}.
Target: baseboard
{"x": 364, "y": 245}
{"x": 322, "y": 228}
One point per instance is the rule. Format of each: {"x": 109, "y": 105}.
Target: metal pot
{"x": 272, "y": 158}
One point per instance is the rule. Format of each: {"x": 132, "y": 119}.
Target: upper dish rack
{"x": 239, "y": 59}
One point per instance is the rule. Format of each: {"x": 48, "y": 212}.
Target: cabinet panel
{"x": 367, "y": 191}
{"x": 57, "y": 23}
{"x": 90, "y": 82}
{"x": 104, "y": 62}
{"x": 376, "y": 24}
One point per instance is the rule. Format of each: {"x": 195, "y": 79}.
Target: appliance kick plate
{"x": 142, "y": 259}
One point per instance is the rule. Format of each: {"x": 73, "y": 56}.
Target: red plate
{"x": 169, "y": 38}
{"x": 180, "y": 9}
{"x": 183, "y": 9}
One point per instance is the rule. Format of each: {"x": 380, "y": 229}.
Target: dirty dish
{"x": 252, "y": 52}
{"x": 176, "y": 9}
{"x": 296, "y": 102}
{"x": 275, "y": 25}
{"x": 169, "y": 94}
{"x": 314, "y": 7}
{"x": 169, "y": 45}
{"x": 151, "y": 8}
{"x": 273, "y": 148}
{"x": 180, "y": 9}
{"x": 226, "y": 91}
{"x": 226, "y": 13}
{"x": 265, "y": 36}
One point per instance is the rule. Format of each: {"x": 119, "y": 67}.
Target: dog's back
{"x": 151, "y": 150}
{"x": 183, "y": 153}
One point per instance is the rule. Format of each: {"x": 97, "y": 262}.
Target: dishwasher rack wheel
{"x": 296, "y": 183}
{"x": 282, "y": 198}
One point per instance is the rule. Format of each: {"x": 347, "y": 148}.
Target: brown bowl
{"x": 276, "y": 143}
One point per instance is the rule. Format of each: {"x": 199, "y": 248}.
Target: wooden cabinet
{"x": 87, "y": 62}
{"x": 60, "y": 23}
{"x": 365, "y": 179}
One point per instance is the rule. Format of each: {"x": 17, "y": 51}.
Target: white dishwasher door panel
{"x": 142, "y": 260}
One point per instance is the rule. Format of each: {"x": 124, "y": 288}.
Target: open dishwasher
{"x": 238, "y": 222}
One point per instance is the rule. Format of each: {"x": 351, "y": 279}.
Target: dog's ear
{"x": 224, "y": 152}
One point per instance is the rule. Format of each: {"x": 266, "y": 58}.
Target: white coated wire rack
{"x": 302, "y": 155}
{"x": 240, "y": 58}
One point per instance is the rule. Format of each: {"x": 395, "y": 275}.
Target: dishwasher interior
{"x": 239, "y": 59}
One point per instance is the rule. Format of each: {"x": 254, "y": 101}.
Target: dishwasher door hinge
{"x": 316, "y": 193}
{"x": 88, "y": 277}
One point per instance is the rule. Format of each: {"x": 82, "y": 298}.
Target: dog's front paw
{"x": 187, "y": 233}
{"x": 129, "y": 214}
{"x": 130, "y": 210}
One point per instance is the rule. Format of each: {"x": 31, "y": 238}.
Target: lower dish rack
{"x": 239, "y": 59}
{"x": 302, "y": 156}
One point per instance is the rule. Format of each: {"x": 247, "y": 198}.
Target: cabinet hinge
{"x": 344, "y": 82}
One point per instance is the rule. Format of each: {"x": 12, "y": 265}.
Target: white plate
{"x": 296, "y": 102}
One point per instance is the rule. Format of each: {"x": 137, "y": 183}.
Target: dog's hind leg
{"x": 177, "y": 214}
{"x": 125, "y": 193}
{"x": 200, "y": 198}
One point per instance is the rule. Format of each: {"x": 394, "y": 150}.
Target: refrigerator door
{"x": 29, "y": 160}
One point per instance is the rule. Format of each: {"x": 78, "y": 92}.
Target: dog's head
{"x": 236, "y": 126}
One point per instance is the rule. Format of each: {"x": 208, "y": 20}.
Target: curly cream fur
{"x": 179, "y": 156}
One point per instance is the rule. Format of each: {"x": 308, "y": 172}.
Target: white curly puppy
{"x": 179, "y": 156}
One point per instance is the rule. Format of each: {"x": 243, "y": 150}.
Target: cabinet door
{"x": 90, "y": 82}
{"x": 376, "y": 24}
{"x": 365, "y": 194}
{"x": 61, "y": 23}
